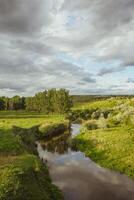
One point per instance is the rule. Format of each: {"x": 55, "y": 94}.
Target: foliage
{"x": 51, "y": 101}
{"x": 22, "y": 175}
{"x": 26, "y": 178}
{"x": 80, "y": 114}
{"x": 112, "y": 143}
{"x": 91, "y": 124}
{"x": 2, "y": 104}
{"x": 14, "y": 103}
{"x": 108, "y": 103}
{"x": 87, "y": 114}
{"x": 52, "y": 129}
{"x": 102, "y": 122}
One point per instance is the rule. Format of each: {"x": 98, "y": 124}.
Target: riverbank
{"x": 107, "y": 134}
{"x": 22, "y": 174}
{"x": 79, "y": 177}
{"x": 111, "y": 148}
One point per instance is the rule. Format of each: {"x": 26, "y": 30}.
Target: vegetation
{"x": 22, "y": 175}
{"x": 14, "y": 103}
{"x": 52, "y": 129}
{"x": 109, "y": 140}
{"x": 51, "y": 101}
{"x": 26, "y": 178}
{"x": 106, "y": 137}
{"x": 80, "y": 99}
{"x": 101, "y": 103}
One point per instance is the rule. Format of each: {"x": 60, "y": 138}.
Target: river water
{"x": 79, "y": 177}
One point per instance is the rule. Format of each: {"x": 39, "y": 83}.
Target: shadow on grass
{"x": 87, "y": 146}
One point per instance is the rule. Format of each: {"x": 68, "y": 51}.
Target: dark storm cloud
{"x": 22, "y": 16}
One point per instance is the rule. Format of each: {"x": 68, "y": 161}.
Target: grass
{"x": 103, "y": 104}
{"x": 112, "y": 148}
{"x": 25, "y": 119}
{"x": 22, "y": 175}
{"x": 111, "y": 145}
{"x": 9, "y": 144}
{"x": 26, "y": 178}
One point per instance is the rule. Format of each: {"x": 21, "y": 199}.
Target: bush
{"x": 52, "y": 129}
{"x": 96, "y": 114}
{"x": 102, "y": 122}
{"x": 91, "y": 124}
{"x": 80, "y": 114}
{"x": 106, "y": 113}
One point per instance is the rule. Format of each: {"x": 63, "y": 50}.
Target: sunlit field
{"x": 107, "y": 136}
{"x": 25, "y": 119}
{"x": 102, "y": 104}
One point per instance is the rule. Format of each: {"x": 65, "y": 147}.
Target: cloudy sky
{"x": 86, "y": 46}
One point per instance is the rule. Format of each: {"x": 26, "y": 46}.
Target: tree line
{"x": 48, "y": 101}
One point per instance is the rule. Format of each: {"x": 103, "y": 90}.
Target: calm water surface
{"x": 80, "y": 178}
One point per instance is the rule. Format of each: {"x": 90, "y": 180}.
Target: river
{"x": 78, "y": 176}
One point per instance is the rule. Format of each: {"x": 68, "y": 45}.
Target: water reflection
{"x": 58, "y": 144}
{"x": 78, "y": 176}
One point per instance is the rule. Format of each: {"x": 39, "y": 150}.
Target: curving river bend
{"x": 79, "y": 177}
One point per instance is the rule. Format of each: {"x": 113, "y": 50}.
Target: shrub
{"x": 106, "y": 113}
{"x": 91, "y": 124}
{"x": 96, "y": 114}
{"x": 80, "y": 114}
{"x": 52, "y": 129}
{"x": 102, "y": 122}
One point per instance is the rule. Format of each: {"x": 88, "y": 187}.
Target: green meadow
{"x": 22, "y": 175}
{"x": 111, "y": 148}
{"x": 107, "y": 136}
{"x": 103, "y": 104}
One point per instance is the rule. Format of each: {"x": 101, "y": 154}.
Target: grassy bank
{"x": 109, "y": 140}
{"x": 22, "y": 175}
{"x": 111, "y": 148}
{"x": 26, "y": 178}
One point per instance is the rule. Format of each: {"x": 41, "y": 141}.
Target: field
{"x": 17, "y": 163}
{"x": 107, "y": 137}
{"x": 109, "y": 140}
{"x": 103, "y": 104}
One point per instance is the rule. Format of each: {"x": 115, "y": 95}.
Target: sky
{"x": 85, "y": 46}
